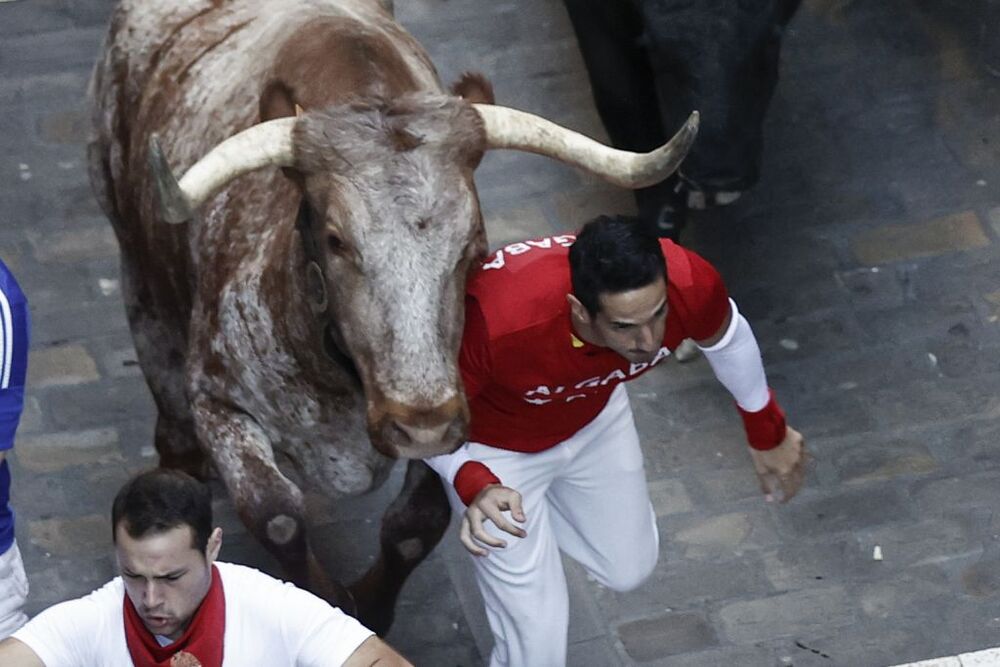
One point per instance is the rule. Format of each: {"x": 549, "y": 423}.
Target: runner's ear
{"x": 578, "y": 309}
{"x": 214, "y": 545}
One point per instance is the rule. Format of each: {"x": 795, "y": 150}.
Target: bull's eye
{"x": 334, "y": 242}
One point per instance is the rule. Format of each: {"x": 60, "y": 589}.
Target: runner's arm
{"x": 15, "y": 653}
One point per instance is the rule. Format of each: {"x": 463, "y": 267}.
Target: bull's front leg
{"x": 411, "y": 527}
{"x": 270, "y": 505}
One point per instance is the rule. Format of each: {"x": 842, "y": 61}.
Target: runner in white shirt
{"x": 175, "y": 606}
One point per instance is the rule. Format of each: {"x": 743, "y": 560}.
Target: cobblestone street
{"x": 867, "y": 260}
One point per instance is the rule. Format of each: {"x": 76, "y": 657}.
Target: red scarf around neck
{"x": 199, "y": 646}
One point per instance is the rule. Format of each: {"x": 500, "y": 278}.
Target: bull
{"x": 650, "y": 60}
{"x": 307, "y": 309}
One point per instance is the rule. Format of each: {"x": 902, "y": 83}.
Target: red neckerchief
{"x": 199, "y": 646}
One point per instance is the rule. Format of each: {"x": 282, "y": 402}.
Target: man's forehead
{"x": 154, "y": 546}
{"x": 638, "y": 304}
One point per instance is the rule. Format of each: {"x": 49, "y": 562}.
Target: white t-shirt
{"x": 268, "y": 622}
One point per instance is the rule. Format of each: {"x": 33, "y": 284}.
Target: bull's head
{"x": 720, "y": 58}
{"x": 390, "y": 212}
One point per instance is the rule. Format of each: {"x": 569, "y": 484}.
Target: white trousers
{"x": 13, "y": 591}
{"x": 586, "y": 496}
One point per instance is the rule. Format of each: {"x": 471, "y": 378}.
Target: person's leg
{"x": 13, "y": 591}
{"x": 600, "y": 510}
{"x": 623, "y": 82}
{"x": 523, "y": 585}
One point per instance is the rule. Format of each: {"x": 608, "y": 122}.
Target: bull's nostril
{"x": 424, "y": 436}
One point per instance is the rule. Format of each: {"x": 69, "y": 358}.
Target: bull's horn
{"x": 509, "y": 128}
{"x": 267, "y": 143}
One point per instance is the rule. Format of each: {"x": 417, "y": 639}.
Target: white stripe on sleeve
{"x": 6, "y": 340}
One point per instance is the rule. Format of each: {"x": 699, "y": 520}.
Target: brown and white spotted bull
{"x": 309, "y": 314}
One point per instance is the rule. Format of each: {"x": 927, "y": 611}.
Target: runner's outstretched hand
{"x": 490, "y": 504}
{"x": 783, "y": 467}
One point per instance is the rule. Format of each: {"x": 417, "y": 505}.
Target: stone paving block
{"x": 97, "y": 404}
{"x": 31, "y": 416}
{"x": 982, "y": 579}
{"x": 873, "y": 286}
{"x": 910, "y": 590}
{"x": 511, "y": 225}
{"x": 679, "y": 584}
{"x": 856, "y": 371}
{"x": 442, "y": 625}
{"x": 504, "y": 185}
{"x": 830, "y": 413}
{"x": 585, "y": 620}
{"x": 919, "y": 319}
{"x": 804, "y": 564}
{"x": 651, "y": 638}
{"x": 969, "y": 490}
{"x": 742, "y": 656}
{"x": 35, "y": 16}
{"x": 669, "y": 497}
{"x": 714, "y": 488}
{"x": 925, "y": 403}
{"x": 577, "y": 207}
{"x": 75, "y": 245}
{"x": 787, "y": 615}
{"x": 121, "y": 363}
{"x": 49, "y": 585}
{"x": 932, "y": 540}
{"x": 66, "y": 126}
{"x": 994, "y": 218}
{"x": 888, "y": 461}
{"x": 870, "y": 641}
{"x": 796, "y": 337}
{"x": 669, "y": 451}
{"x": 720, "y": 536}
{"x": 595, "y": 652}
{"x": 952, "y": 233}
{"x": 51, "y": 452}
{"x": 848, "y": 510}
{"x": 77, "y": 322}
{"x": 975, "y": 442}
{"x": 51, "y": 52}
{"x": 82, "y": 536}
{"x": 60, "y": 366}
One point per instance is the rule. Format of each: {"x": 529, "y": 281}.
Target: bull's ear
{"x": 278, "y": 101}
{"x": 474, "y": 88}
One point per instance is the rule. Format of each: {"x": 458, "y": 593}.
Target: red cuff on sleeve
{"x": 472, "y": 478}
{"x": 766, "y": 427}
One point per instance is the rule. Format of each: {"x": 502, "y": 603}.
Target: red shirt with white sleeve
{"x": 530, "y": 382}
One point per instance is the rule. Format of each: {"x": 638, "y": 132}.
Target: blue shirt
{"x": 14, "y": 331}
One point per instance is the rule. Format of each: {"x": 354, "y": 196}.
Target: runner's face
{"x": 165, "y": 576}
{"x": 632, "y": 323}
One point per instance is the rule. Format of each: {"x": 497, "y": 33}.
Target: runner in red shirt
{"x": 554, "y": 327}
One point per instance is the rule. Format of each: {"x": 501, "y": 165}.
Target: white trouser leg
{"x": 13, "y": 591}
{"x": 523, "y": 585}
{"x": 589, "y": 492}
{"x": 600, "y": 509}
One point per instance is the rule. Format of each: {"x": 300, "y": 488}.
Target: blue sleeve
{"x": 15, "y": 325}
{"x": 11, "y": 403}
